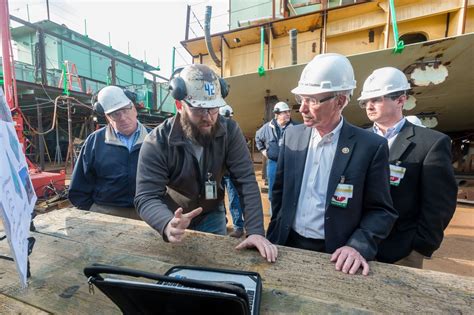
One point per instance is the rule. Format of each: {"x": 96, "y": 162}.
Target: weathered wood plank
{"x": 57, "y": 282}
{"x": 300, "y": 282}
{"x": 11, "y": 306}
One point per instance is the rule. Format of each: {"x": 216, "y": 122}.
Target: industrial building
{"x": 53, "y": 60}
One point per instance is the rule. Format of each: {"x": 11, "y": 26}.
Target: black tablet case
{"x": 153, "y": 298}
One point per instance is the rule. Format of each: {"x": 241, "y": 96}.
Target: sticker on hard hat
{"x": 209, "y": 88}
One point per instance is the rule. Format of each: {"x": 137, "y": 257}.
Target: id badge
{"x": 211, "y": 190}
{"x": 396, "y": 174}
{"x": 342, "y": 195}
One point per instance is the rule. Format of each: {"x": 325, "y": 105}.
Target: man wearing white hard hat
{"x": 331, "y": 192}
{"x": 422, "y": 182}
{"x": 183, "y": 160}
{"x": 103, "y": 179}
{"x": 268, "y": 140}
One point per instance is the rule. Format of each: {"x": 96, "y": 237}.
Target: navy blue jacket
{"x": 105, "y": 172}
{"x": 269, "y": 136}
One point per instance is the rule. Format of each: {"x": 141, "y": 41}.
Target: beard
{"x": 192, "y": 132}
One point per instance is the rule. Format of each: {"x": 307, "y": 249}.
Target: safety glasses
{"x": 122, "y": 111}
{"x": 199, "y": 111}
{"x": 313, "y": 101}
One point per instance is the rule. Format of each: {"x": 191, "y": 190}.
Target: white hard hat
{"x": 384, "y": 81}
{"x": 226, "y": 111}
{"x": 415, "y": 120}
{"x": 326, "y": 73}
{"x": 203, "y": 87}
{"x": 280, "y": 107}
{"x": 112, "y": 98}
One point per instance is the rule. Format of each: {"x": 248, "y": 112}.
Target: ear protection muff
{"x": 96, "y": 106}
{"x": 99, "y": 110}
{"x": 132, "y": 96}
{"x": 177, "y": 86}
{"x": 276, "y": 111}
{"x": 227, "y": 114}
{"x": 224, "y": 88}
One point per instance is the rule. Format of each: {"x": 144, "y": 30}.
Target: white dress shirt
{"x": 309, "y": 219}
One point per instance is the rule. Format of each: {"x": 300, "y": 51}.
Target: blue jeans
{"x": 234, "y": 204}
{"x": 271, "y": 173}
{"x": 213, "y": 222}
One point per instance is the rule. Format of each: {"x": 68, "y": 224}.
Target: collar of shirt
{"x": 391, "y": 132}
{"x": 130, "y": 140}
{"x": 329, "y": 137}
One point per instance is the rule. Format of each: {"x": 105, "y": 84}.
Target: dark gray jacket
{"x": 169, "y": 176}
{"x": 426, "y": 196}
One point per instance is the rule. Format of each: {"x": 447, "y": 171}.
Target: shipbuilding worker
{"x": 103, "y": 179}
{"x": 183, "y": 160}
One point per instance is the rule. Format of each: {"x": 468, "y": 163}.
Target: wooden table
{"x": 300, "y": 282}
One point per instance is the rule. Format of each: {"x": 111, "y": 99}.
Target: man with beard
{"x": 183, "y": 160}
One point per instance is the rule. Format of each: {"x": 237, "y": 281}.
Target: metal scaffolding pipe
{"x": 294, "y": 46}
{"x": 207, "y": 36}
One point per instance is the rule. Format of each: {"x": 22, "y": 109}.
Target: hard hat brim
{"x": 218, "y": 102}
{"x": 379, "y": 93}
{"x": 117, "y": 107}
{"x": 313, "y": 90}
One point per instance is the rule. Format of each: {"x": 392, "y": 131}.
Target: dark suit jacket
{"x": 369, "y": 215}
{"x": 426, "y": 196}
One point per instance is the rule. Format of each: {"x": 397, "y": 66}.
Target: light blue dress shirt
{"x": 130, "y": 140}
{"x": 391, "y": 133}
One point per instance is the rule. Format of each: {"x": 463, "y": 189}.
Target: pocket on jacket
{"x": 273, "y": 150}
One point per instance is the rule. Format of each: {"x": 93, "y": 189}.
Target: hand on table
{"x": 266, "y": 249}
{"x": 349, "y": 260}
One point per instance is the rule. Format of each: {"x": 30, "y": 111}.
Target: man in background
{"x": 269, "y": 139}
{"x": 104, "y": 176}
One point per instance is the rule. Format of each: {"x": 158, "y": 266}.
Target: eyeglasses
{"x": 199, "y": 111}
{"x": 312, "y": 101}
{"x": 379, "y": 99}
{"x": 118, "y": 113}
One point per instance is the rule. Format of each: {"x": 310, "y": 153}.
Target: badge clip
{"x": 210, "y": 188}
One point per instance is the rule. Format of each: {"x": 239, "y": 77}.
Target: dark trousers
{"x": 297, "y": 241}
